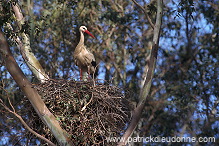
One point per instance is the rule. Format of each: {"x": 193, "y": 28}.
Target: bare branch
{"x": 24, "y": 123}
{"x": 145, "y": 12}
{"x": 10, "y": 104}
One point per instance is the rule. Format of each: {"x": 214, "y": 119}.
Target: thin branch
{"x": 24, "y": 123}
{"x": 145, "y": 12}
{"x": 10, "y": 104}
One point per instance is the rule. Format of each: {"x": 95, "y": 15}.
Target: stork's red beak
{"x": 89, "y": 33}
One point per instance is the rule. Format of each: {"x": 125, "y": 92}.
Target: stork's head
{"x": 84, "y": 29}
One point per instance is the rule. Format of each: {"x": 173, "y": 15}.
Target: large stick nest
{"x": 89, "y": 111}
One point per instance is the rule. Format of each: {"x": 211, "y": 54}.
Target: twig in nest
{"x": 87, "y": 103}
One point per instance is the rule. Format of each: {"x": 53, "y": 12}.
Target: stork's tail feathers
{"x": 95, "y": 69}
{"x": 93, "y": 63}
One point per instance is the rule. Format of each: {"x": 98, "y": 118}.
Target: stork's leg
{"x": 88, "y": 76}
{"x": 80, "y": 74}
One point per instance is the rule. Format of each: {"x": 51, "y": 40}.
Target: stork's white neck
{"x": 81, "y": 42}
{"x": 80, "y": 45}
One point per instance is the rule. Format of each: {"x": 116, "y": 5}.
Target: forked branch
{"x": 24, "y": 123}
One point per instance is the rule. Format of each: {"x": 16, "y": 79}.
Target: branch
{"x": 47, "y": 117}
{"x": 24, "y": 45}
{"x": 145, "y": 12}
{"x": 24, "y": 123}
{"x": 147, "y": 84}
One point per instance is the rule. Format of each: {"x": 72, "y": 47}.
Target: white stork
{"x": 83, "y": 58}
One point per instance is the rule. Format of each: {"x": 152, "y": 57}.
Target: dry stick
{"x": 147, "y": 84}
{"x": 87, "y": 103}
{"x": 24, "y": 123}
{"x": 145, "y": 12}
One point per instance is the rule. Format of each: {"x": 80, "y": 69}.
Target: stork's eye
{"x": 83, "y": 28}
